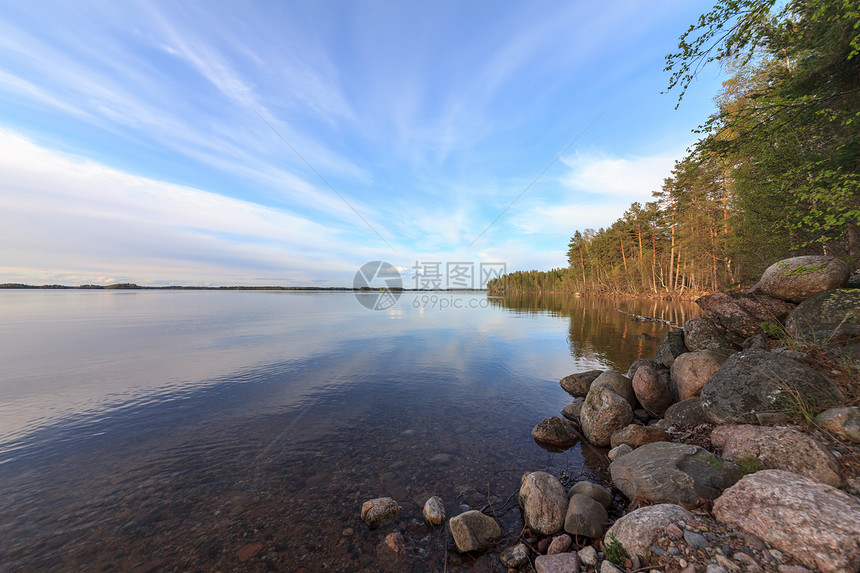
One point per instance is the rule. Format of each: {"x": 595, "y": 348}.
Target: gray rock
{"x": 434, "y": 510}
{"x": 651, "y": 388}
{"x": 559, "y": 544}
{"x": 828, "y": 317}
{"x": 686, "y": 413}
{"x": 814, "y": 523}
{"x": 665, "y": 472}
{"x": 758, "y": 381}
{"x": 604, "y": 413}
{"x": 588, "y": 555}
{"x": 515, "y": 557}
{"x": 577, "y": 385}
{"x": 596, "y": 492}
{"x": 607, "y": 567}
{"x": 741, "y": 315}
{"x": 779, "y": 448}
{"x": 702, "y": 333}
{"x": 695, "y": 540}
{"x": 571, "y": 411}
{"x": 560, "y": 563}
{"x": 585, "y": 517}
{"x": 379, "y": 511}
{"x": 635, "y": 436}
{"x": 690, "y": 371}
{"x": 844, "y": 422}
{"x": 638, "y": 530}
{"x": 798, "y": 278}
{"x": 474, "y": 531}
{"x": 670, "y": 348}
{"x": 715, "y": 569}
{"x": 619, "y": 451}
{"x": 556, "y": 431}
{"x": 619, "y": 383}
{"x": 544, "y": 503}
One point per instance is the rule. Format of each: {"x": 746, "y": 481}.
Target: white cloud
{"x": 76, "y": 218}
{"x": 632, "y": 177}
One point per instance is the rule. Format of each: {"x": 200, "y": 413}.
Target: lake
{"x": 242, "y": 430}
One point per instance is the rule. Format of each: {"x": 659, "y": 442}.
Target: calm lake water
{"x": 241, "y": 431}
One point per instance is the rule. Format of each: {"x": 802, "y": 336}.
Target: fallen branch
{"x": 640, "y": 318}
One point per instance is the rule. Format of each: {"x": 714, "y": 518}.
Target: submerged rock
{"x": 379, "y": 511}
{"x": 474, "y": 531}
{"x": 798, "y": 278}
{"x": 815, "y": 523}
{"x": 556, "y": 431}
{"x": 665, "y": 472}
{"x": 434, "y": 511}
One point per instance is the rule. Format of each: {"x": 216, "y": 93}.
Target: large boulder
{"x": 631, "y": 372}
{"x": 604, "y": 413}
{"x": 665, "y": 472}
{"x": 638, "y": 530}
{"x": 815, "y": 523}
{"x": 702, "y": 333}
{"x": 474, "y": 531}
{"x": 757, "y": 381}
{"x": 585, "y": 517}
{"x": 636, "y": 436}
{"x": 779, "y": 448}
{"x": 578, "y": 384}
{"x": 843, "y": 422}
{"x": 556, "y": 431}
{"x": 741, "y": 315}
{"x": 619, "y": 383}
{"x": 831, "y": 316}
{"x": 799, "y": 278}
{"x": 690, "y": 371}
{"x": 544, "y": 503}
{"x": 670, "y": 348}
{"x": 652, "y": 389}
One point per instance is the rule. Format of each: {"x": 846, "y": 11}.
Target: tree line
{"x": 774, "y": 173}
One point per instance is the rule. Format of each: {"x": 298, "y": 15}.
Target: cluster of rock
{"x": 727, "y": 369}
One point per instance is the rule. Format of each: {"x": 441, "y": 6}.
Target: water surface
{"x": 187, "y": 430}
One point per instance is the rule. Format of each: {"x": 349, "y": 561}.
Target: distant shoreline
{"x": 132, "y": 286}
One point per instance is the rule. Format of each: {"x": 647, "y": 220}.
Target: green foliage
{"x": 614, "y": 551}
{"x": 776, "y": 173}
{"x": 749, "y": 464}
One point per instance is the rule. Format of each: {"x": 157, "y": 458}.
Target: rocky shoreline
{"x": 736, "y": 448}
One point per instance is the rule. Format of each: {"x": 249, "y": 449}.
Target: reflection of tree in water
{"x": 599, "y": 334}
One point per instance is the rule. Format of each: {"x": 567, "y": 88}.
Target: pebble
{"x": 715, "y": 569}
{"x": 560, "y": 544}
{"x": 727, "y": 563}
{"x": 657, "y": 550}
{"x": 588, "y": 555}
{"x": 696, "y": 540}
{"x": 792, "y": 569}
{"x": 674, "y": 531}
{"x": 515, "y": 557}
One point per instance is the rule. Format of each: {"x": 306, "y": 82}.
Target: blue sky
{"x": 150, "y": 141}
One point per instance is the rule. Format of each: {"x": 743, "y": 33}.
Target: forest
{"x": 773, "y": 174}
